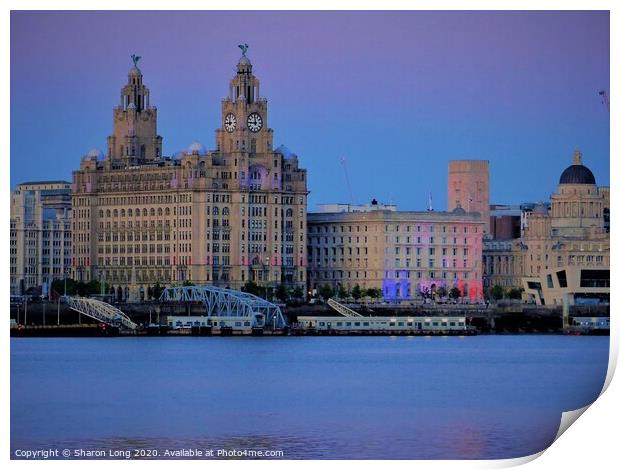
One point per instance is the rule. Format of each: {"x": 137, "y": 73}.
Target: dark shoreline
{"x": 45, "y": 320}
{"x": 99, "y": 331}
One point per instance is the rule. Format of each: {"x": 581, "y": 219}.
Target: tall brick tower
{"x": 468, "y": 187}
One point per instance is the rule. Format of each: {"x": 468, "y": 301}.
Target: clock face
{"x": 255, "y": 122}
{"x": 230, "y": 122}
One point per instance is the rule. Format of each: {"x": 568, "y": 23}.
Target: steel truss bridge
{"x": 100, "y": 311}
{"x": 229, "y": 303}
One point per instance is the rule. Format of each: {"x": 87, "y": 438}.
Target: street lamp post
{"x": 64, "y": 272}
{"x": 80, "y": 277}
{"x": 267, "y": 273}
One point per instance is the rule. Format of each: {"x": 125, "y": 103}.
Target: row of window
{"x": 397, "y": 240}
{"x": 160, "y": 212}
{"x": 340, "y": 274}
{"x": 392, "y": 324}
{"x": 395, "y": 228}
{"x": 138, "y": 200}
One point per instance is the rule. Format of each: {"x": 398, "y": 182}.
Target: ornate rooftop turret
{"x": 134, "y": 139}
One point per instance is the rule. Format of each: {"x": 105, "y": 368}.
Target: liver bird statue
{"x": 135, "y": 59}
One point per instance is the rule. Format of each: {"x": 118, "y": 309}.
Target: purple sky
{"x": 398, "y": 93}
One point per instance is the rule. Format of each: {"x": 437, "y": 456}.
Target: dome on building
{"x": 95, "y": 154}
{"x": 196, "y": 148}
{"x": 285, "y": 151}
{"x": 577, "y": 173}
{"x": 244, "y": 65}
{"x": 134, "y": 71}
{"x": 459, "y": 210}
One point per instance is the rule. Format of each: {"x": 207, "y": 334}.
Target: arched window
{"x": 107, "y": 213}
{"x": 122, "y": 212}
{"x": 225, "y": 211}
{"x": 115, "y": 212}
{"x": 216, "y": 211}
{"x": 167, "y": 211}
{"x": 100, "y": 212}
{"x": 144, "y": 212}
{"x": 289, "y": 212}
{"x": 129, "y": 213}
{"x": 152, "y": 212}
{"x": 160, "y": 212}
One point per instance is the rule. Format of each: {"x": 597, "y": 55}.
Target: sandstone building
{"x": 564, "y": 248}
{"x": 224, "y": 216}
{"x": 40, "y": 236}
{"x": 405, "y": 254}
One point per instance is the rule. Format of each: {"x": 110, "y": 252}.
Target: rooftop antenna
{"x": 343, "y": 162}
{"x": 605, "y": 98}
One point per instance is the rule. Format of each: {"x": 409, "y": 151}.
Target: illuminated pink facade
{"x": 405, "y": 254}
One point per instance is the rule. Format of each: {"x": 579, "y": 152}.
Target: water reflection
{"x": 312, "y": 398}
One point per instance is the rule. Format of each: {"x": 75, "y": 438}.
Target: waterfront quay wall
{"x": 494, "y": 318}
{"x": 65, "y": 330}
{"x": 513, "y": 318}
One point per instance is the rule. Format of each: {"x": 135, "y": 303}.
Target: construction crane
{"x": 343, "y": 162}
{"x": 605, "y": 98}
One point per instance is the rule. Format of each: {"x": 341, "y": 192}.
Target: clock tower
{"x": 263, "y": 237}
{"x": 244, "y": 114}
{"x": 223, "y": 217}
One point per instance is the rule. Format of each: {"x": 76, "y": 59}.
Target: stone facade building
{"x": 224, "y": 217}
{"x": 468, "y": 187}
{"x": 505, "y": 221}
{"x": 405, "y": 254}
{"x": 40, "y": 237}
{"x": 566, "y": 236}
{"x": 503, "y": 263}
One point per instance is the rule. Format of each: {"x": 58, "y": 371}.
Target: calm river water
{"x": 480, "y": 397}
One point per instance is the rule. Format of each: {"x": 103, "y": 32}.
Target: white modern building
{"x": 40, "y": 238}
